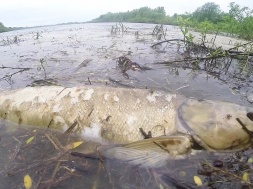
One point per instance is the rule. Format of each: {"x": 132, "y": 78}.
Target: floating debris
{"x": 27, "y": 181}
{"x": 43, "y": 82}
{"x": 126, "y": 64}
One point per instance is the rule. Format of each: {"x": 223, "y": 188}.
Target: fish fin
{"x": 153, "y": 152}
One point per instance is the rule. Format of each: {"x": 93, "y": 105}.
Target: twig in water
{"x": 55, "y": 145}
{"x": 245, "y": 128}
{"x": 71, "y": 128}
{"x": 146, "y": 136}
{"x": 83, "y": 64}
{"x": 5, "y": 67}
{"x": 240, "y": 45}
{"x": 8, "y": 77}
{"x": 166, "y": 41}
{"x": 84, "y": 156}
{"x": 89, "y": 80}
{"x": 57, "y": 167}
{"x": 42, "y": 61}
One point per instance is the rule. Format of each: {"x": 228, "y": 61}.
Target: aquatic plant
{"x": 159, "y": 32}
{"x": 42, "y": 62}
{"x": 37, "y": 36}
{"x": 16, "y": 39}
{"x": 119, "y": 28}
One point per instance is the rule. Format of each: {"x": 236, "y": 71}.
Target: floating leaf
{"x": 245, "y": 177}
{"x": 27, "y": 182}
{"x": 161, "y": 186}
{"x": 250, "y": 160}
{"x": 76, "y": 144}
{"x": 197, "y": 180}
{"x": 29, "y": 140}
{"x": 182, "y": 173}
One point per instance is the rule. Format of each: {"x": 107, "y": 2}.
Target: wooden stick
{"x": 244, "y": 127}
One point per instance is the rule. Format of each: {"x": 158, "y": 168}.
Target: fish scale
{"x": 59, "y": 107}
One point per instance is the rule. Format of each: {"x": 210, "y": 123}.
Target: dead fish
{"x": 116, "y": 114}
{"x": 104, "y": 113}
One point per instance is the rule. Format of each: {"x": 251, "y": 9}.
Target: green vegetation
{"x": 6, "y": 29}
{"x": 3, "y": 28}
{"x": 144, "y": 15}
{"x": 238, "y": 21}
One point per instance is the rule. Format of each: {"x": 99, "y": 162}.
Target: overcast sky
{"x": 44, "y": 12}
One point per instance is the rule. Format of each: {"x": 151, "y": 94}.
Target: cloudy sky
{"x": 44, "y": 12}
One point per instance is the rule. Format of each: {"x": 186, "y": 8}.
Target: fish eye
{"x": 250, "y": 115}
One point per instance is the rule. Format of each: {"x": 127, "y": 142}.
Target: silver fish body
{"x": 104, "y": 113}
{"x": 116, "y": 114}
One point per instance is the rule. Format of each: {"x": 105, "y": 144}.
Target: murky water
{"x": 86, "y": 54}
{"x": 47, "y": 160}
{"x": 63, "y": 48}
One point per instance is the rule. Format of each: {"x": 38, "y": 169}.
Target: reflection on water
{"x": 48, "y": 161}
{"x": 46, "y": 157}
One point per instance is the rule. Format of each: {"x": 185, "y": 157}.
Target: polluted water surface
{"x": 94, "y": 54}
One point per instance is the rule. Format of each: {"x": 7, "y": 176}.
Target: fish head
{"x": 216, "y": 123}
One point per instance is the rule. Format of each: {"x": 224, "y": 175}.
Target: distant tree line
{"x": 143, "y": 15}
{"x": 6, "y": 29}
{"x": 3, "y": 28}
{"x": 237, "y": 21}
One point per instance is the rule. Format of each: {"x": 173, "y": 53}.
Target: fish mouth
{"x": 215, "y": 124}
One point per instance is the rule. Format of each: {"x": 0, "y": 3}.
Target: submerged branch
{"x": 5, "y": 67}
{"x": 84, "y": 156}
{"x": 240, "y": 45}
{"x": 191, "y": 59}
{"x": 167, "y": 41}
{"x": 245, "y": 128}
{"x": 8, "y": 77}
